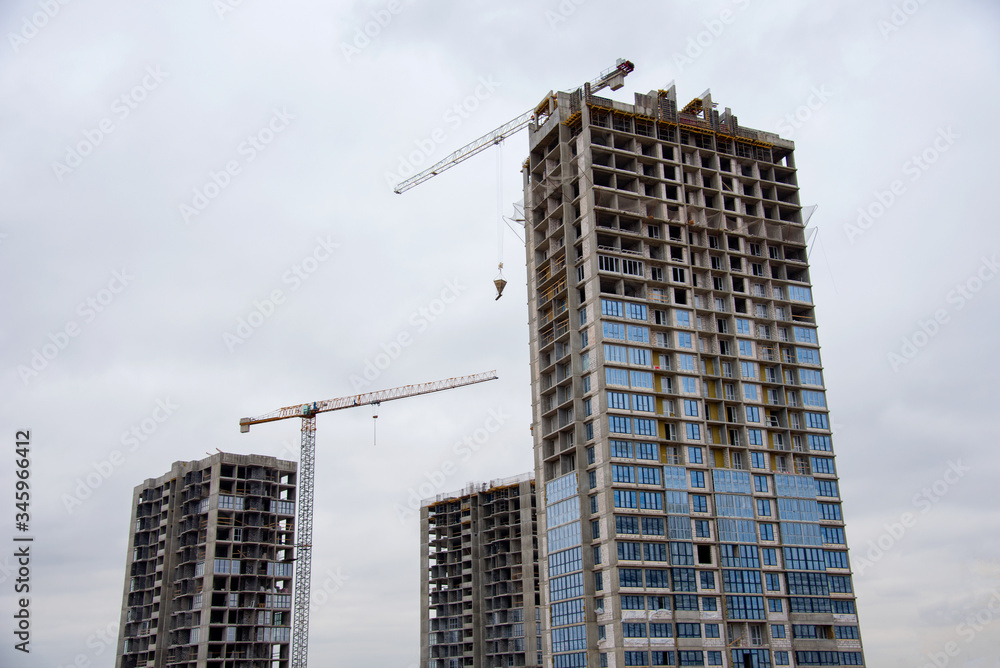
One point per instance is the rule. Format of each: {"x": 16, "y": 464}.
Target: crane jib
{"x": 613, "y": 78}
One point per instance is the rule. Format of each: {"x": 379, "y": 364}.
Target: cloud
{"x": 322, "y": 177}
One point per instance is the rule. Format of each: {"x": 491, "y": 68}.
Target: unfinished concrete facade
{"x": 209, "y": 574}
{"x": 689, "y": 506}
{"x": 479, "y": 577}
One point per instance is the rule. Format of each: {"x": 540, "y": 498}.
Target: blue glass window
{"x": 652, "y": 526}
{"x": 614, "y": 330}
{"x": 619, "y": 425}
{"x": 834, "y": 535}
{"x": 568, "y": 561}
{"x": 836, "y": 559}
{"x": 746, "y": 607}
{"x": 644, "y": 427}
{"x": 613, "y": 353}
{"x": 817, "y": 421}
{"x": 798, "y": 293}
{"x": 570, "y": 612}
{"x": 568, "y": 586}
{"x": 804, "y": 334}
{"x": 629, "y": 577}
{"x": 611, "y": 307}
{"x": 674, "y": 477}
{"x": 634, "y": 630}
{"x": 622, "y": 473}
{"x": 822, "y": 464}
{"x": 651, "y": 500}
{"x": 811, "y": 398}
{"x": 733, "y": 505}
{"x": 741, "y": 582}
{"x": 639, "y": 356}
{"x": 632, "y": 603}
{"x": 684, "y": 579}
{"x": 679, "y": 527}
{"x": 628, "y": 524}
{"x": 827, "y": 488}
{"x": 801, "y": 533}
{"x": 732, "y": 481}
{"x": 647, "y": 475}
{"x": 657, "y": 577}
{"x": 811, "y": 377}
{"x": 629, "y": 551}
{"x": 649, "y": 451}
{"x": 642, "y": 379}
{"x": 807, "y": 355}
{"x": 677, "y": 503}
{"x": 618, "y": 400}
{"x": 804, "y": 559}
{"x": 760, "y": 483}
{"x": 737, "y": 531}
{"x": 635, "y": 311}
{"x": 625, "y": 499}
{"x": 638, "y": 334}
{"x": 739, "y": 556}
{"x": 616, "y": 376}
{"x": 621, "y": 448}
{"x": 819, "y": 442}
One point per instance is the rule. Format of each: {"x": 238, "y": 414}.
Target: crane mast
{"x": 306, "y": 481}
{"x": 613, "y": 78}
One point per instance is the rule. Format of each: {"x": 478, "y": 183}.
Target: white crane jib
{"x": 613, "y": 78}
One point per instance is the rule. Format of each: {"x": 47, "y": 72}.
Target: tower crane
{"x": 304, "y": 516}
{"x": 613, "y": 77}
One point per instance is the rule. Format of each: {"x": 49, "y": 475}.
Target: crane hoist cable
{"x": 613, "y": 78}
{"x": 499, "y": 281}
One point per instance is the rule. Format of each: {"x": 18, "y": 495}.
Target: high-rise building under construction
{"x": 689, "y": 504}
{"x": 479, "y": 577}
{"x": 209, "y": 572}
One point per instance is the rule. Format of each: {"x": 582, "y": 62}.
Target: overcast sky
{"x": 172, "y": 169}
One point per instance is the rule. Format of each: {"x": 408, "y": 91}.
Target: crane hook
{"x": 499, "y": 282}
